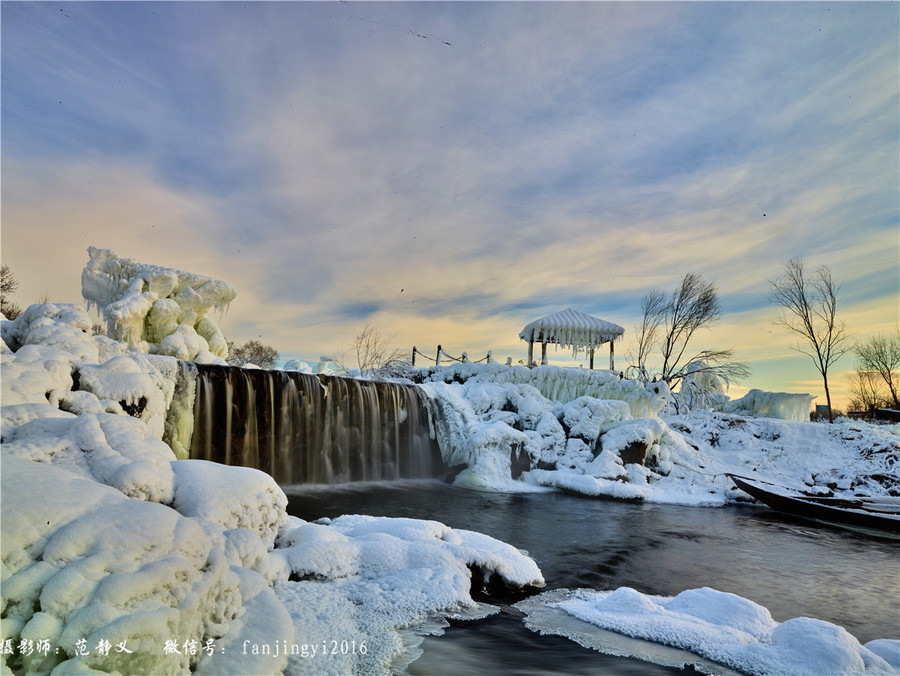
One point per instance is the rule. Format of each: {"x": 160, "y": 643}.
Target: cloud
{"x": 323, "y": 156}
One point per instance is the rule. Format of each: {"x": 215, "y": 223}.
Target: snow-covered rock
{"x": 721, "y": 627}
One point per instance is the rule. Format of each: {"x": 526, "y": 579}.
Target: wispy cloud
{"x": 449, "y": 170}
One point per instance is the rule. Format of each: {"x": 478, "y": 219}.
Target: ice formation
{"x": 562, "y": 384}
{"x": 723, "y": 628}
{"x": 571, "y": 328}
{"x": 157, "y": 309}
{"x": 783, "y": 405}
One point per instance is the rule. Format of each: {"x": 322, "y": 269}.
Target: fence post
{"x": 437, "y": 361}
{"x": 490, "y": 357}
{"x": 414, "y": 356}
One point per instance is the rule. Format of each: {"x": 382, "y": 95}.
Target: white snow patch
{"x": 722, "y": 627}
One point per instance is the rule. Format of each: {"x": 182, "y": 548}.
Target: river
{"x": 791, "y": 567}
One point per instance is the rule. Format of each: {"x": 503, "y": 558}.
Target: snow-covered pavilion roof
{"x": 571, "y": 328}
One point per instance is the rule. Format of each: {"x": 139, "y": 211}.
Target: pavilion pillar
{"x": 543, "y": 353}
{"x": 592, "y": 357}
{"x": 530, "y": 352}
{"x": 612, "y": 366}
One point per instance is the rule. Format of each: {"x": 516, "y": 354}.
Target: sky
{"x": 451, "y": 171}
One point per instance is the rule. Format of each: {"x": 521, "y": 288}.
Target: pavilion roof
{"x": 571, "y": 328}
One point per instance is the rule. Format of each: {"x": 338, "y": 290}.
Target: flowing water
{"x": 302, "y": 428}
{"x": 792, "y": 568}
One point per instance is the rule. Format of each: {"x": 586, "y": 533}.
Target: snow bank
{"x": 781, "y": 405}
{"x": 156, "y": 309}
{"x": 724, "y": 628}
{"x": 363, "y": 578}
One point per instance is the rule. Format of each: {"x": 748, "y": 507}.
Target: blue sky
{"x": 452, "y": 171}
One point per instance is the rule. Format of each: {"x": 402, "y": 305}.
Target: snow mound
{"x": 82, "y": 561}
{"x": 111, "y": 449}
{"x": 364, "y": 578}
{"x": 232, "y": 497}
{"x": 722, "y": 627}
{"x": 157, "y": 309}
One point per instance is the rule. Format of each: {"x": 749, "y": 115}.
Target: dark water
{"x": 792, "y": 568}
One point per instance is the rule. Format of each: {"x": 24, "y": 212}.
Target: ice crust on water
{"x": 157, "y": 309}
{"x": 725, "y": 628}
{"x": 106, "y": 535}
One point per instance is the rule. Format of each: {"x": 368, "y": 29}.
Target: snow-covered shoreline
{"x": 119, "y": 556}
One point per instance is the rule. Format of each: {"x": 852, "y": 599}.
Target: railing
{"x": 441, "y": 354}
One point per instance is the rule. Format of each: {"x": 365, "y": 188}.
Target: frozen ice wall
{"x": 563, "y": 384}
{"x": 156, "y": 309}
{"x": 782, "y": 405}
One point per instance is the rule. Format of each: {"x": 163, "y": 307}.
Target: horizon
{"x": 450, "y": 172}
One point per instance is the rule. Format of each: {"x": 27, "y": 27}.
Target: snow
{"x": 720, "y": 626}
{"x": 110, "y": 536}
{"x": 519, "y": 429}
{"x": 157, "y": 309}
{"x": 298, "y": 366}
{"x": 771, "y": 404}
{"x": 364, "y": 578}
{"x": 561, "y": 384}
{"x": 571, "y": 328}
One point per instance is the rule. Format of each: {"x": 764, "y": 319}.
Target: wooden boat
{"x": 878, "y": 514}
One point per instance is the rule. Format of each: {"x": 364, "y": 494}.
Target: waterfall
{"x": 302, "y": 428}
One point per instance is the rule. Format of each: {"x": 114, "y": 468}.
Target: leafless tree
{"x": 372, "y": 351}
{"x": 652, "y": 309}
{"x": 8, "y": 286}
{"x": 867, "y": 391}
{"x": 809, "y": 309}
{"x": 252, "y": 352}
{"x": 670, "y": 322}
{"x": 692, "y": 306}
{"x": 880, "y": 357}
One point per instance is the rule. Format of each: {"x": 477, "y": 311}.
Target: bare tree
{"x": 867, "y": 391}
{"x": 652, "y": 308}
{"x": 670, "y": 322}
{"x": 252, "y": 352}
{"x": 8, "y": 286}
{"x": 880, "y": 357}
{"x": 809, "y": 309}
{"x": 371, "y": 350}
{"x": 693, "y": 305}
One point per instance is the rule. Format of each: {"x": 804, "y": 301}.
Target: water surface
{"x": 791, "y": 567}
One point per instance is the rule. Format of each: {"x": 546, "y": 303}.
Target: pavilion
{"x": 571, "y": 328}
